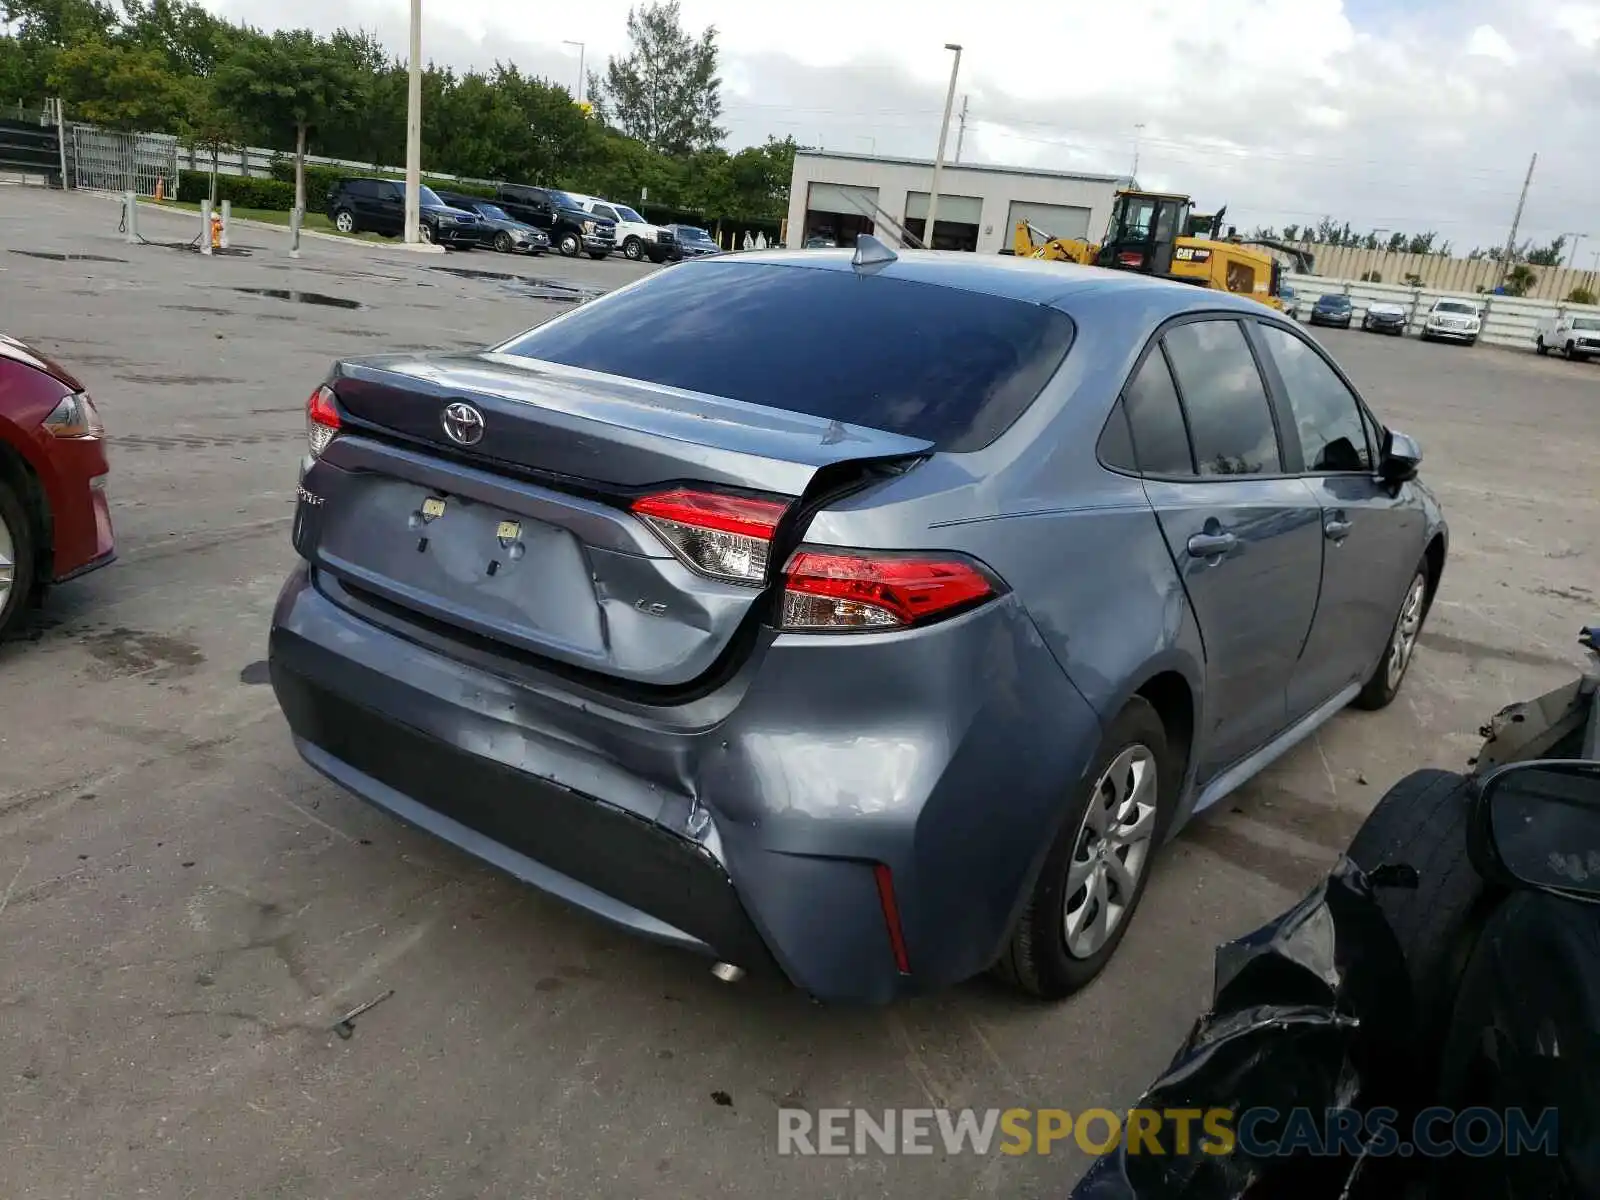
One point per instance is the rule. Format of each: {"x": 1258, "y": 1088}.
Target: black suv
{"x": 573, "y": 229}
{"x": 379, "y": 206}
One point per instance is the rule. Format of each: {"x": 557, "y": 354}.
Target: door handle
{"x": 1336, "y": 528}
{"x": 1211, "y": 545}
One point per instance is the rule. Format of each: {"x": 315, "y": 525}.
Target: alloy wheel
{"x": 344, "y": 222}
{"x": 8, "y": 562}
{"x": 425, "y": 232}
{"x": 1111, "y": 851}
{"x": 1406, "y": 629}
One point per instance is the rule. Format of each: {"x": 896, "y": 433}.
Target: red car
{"x": 54, "y": 523}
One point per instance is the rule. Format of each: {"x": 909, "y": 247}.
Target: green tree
{"x": 1548, "y": 256}
{"x": 59, "y": 22}
{"x": 290, "y": 83}
{"x": 1520, "y": 279}
{"x": 122, "y": 87}
{"x": 665, "y": 92}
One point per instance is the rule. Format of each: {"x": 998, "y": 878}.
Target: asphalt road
{"x": 185, "y": 908}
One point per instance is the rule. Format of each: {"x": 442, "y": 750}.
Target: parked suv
{"x": 1577, "y": 335}
{"x": 638, "y": 238}
{"x": 379, "y": 206}
{"x": 1453, "y": 320}
{"x": 571, "y": 228}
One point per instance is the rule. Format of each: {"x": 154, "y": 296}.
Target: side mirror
{"x": 1400, "y": 458}
{"x": 1537, "y": 825}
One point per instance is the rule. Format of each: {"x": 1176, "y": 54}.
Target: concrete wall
{"x": 1454, "y": 274}
{"x": 995, "y": 187}
{"x": 1507, "y": 320}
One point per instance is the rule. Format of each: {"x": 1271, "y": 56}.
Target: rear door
{"x": 1373, "y": 535}
{"x": 389, "y": 206}
{"x": 1244, "y": 532}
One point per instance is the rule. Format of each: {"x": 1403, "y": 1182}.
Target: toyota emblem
{"x": 463, "y": 424}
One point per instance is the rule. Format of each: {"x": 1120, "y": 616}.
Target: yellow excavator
{"x": 1159, "y": 233}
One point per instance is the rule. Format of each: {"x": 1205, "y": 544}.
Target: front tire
{"x": 1384, "y": 684}
{"x": 569, "y": 245}
{"x": 1097, "y": 868}
{"x": 344, "y": 221}
{"x": 16, "y": 560}
{"x": 502, "y": 242}
{"x": 425, "y": 232}
{"x": 1539, "y": 346}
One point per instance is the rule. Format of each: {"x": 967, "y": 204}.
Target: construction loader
{"x": 1159, "y": 233}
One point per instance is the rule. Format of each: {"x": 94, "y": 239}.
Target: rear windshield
{"x": 950, "y": 366}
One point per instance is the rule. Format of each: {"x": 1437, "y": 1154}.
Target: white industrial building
{"x": 836, "y": 196}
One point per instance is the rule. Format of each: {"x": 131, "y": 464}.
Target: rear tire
{"x": 1384, "y": 684}
{"x": 1422, "y": 822}
{"x": 17, "y": 579}
{"x": 633, "y": 248}
{"x": 1038, "y": 960}
{"x": 1539, "y": 345}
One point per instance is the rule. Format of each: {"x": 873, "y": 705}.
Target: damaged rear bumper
{"x": 746, "y": 825}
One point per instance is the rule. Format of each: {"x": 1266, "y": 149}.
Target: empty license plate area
{"x": 461, "y": 560}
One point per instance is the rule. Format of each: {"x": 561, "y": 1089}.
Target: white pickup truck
{"x": 636, "y": 237}
{"x": 1577, "y": 335}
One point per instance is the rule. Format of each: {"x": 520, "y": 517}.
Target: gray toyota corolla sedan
{"x": 869, "y": 618}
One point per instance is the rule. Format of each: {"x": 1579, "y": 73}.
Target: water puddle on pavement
{"x": 295, "y": 297}
{"x": 534, "y": 289}
{"x": 53, "y": 256}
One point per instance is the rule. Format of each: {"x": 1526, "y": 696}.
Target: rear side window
{"x": 1155, "y": 420}
{"x": 1226, "y": 402}
{"x": 950, "y": 366}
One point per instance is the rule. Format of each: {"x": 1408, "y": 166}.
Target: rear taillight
{"x": 840, "y": 591}
{"x": 322, "y": 420}
{"x": 725, "y": 537}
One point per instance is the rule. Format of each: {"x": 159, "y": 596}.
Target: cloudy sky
{"x": 1386, "y": 113}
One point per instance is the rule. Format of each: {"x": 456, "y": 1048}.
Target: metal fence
{"x": 1507, "y": 320}
{"x": 30, "y": 144}
{"x": 122, "y": 162}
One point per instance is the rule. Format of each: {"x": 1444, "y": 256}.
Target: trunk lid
{"x": 525, "y": 537}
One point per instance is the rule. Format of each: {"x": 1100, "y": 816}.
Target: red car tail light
{"x": 322, "y": 420}
{"x": 825, "y": 591}
{"x": 724, "y": 537}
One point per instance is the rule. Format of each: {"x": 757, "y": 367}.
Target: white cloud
{"x": 1287, "y": 110}
{"x": 1489, "y": 42}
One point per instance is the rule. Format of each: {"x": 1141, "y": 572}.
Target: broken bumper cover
{"x": 744, "y": 826}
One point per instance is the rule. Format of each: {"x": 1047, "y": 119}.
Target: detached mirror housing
{"x": 1400, "y": 458}
{"x": 1539, "y": 823}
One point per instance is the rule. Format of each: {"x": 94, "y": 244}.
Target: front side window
{"x": 1230, "y": 421}
{"x": 1326, "y": 412}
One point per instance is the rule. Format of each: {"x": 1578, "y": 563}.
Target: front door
{"x": 1246, "y": 538}
{"x": 1373, "y": 536}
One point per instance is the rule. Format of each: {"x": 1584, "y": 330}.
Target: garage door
{"x": 842, "y": 198}
{"x": 967, "y": 210}
{"x": 1058, "y": 220}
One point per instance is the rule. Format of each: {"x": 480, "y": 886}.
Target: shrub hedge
{"x": 195, "y": 186}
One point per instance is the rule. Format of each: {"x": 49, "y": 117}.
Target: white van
{"x": 636, "y": 237}
{"x": 1577, "y": 335}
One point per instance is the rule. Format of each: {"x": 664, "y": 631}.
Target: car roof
{"x": 1029, "y": 280}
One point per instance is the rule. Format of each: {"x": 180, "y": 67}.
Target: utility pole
{"x": 1511, "y": 242}
{"x": 961, "y": 129}
{"x": 1572, "y": 260}
{"x": 944, "y": 132}
{"x": 414, "y": 127}
{"x": 582, "y": 78}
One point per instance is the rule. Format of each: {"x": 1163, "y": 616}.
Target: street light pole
{"x": 582, "y": 78}
{"x": 944, "y": 132}
{"x": 414, "y": 127}
{"x": 1572, "y": 260}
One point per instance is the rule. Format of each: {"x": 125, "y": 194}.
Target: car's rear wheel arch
{"x": 1170, "y": 694}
